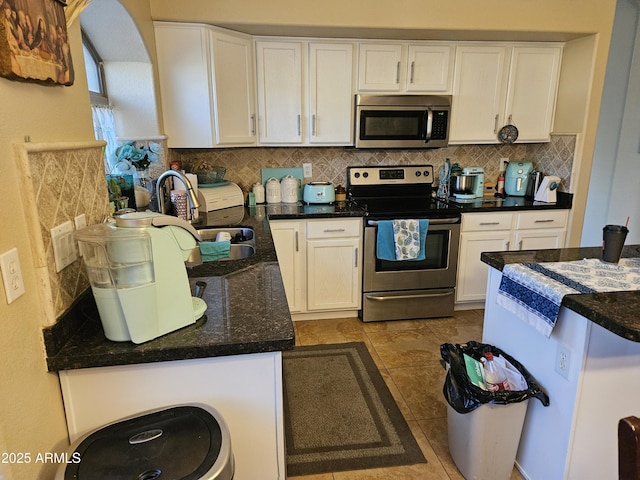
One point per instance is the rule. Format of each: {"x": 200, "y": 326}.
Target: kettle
{"x": 289, "y": 189}
{"x": 274, "y": 194}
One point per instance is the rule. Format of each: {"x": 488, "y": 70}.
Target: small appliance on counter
{"x": 319, "y": 192}
{"x": 138, "y": 276}
{"x": 547, "y": 190}
{"x": 219, "y": 195}
{"x": 516, "y": 178}
{"x": 535, "y": 179}
{"x": 469, "y": 184}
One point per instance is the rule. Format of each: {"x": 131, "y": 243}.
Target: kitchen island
{"x": 589, "y": 366}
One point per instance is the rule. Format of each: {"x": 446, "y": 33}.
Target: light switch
{"x": 64, "y": 248}
{"x": 12, "y": 274}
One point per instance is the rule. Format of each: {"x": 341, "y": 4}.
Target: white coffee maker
{"x": 138, "y": 275}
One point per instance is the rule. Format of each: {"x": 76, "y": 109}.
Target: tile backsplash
{"x": 330, "y": 164}
{"x": 59, "y": 182}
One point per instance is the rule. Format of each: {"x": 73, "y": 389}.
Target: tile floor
{"x": 408, "y": 356}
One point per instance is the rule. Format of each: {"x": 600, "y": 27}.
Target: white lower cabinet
{"x": 245, "y": 389}
{"x": 494, "y": 232}
{"x": 320, "y": 261}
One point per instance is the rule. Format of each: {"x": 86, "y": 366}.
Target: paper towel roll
{"x": 178, "y": 185}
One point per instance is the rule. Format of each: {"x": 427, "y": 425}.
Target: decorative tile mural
{"x": 330, "y": 164}
{"x": 60, "y": 182}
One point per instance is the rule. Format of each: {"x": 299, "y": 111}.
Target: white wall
{"x": 613, "y": 187}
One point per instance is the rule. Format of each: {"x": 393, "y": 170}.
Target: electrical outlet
{"x": 563, "y": 361}
{"x": 503, "y": 164}
{"x": 12, "y": 274}
{"x": 307, "y": 170}
{"x": 64, "y": 246}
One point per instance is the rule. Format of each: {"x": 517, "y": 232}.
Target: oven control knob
{"x": 418, "y": 173}
{"x": 365, "y": 174}
{"x": 357, "y": 174}
{"x": 426, "y": 173}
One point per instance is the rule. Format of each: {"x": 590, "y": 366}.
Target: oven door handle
{"x": 434, "y": 221}
{"x": 382, "y": 298}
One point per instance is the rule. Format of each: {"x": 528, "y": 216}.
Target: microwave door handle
{"x": 427, "y": 135}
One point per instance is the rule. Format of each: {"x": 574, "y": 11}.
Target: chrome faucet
{"x": 191, "y": 194}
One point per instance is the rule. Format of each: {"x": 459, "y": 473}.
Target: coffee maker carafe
{"x": 138, "y": 276}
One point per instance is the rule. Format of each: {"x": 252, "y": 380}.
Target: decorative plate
{"x": 508, "y": 134}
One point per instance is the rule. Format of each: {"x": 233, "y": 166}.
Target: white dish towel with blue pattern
{"x": 406, "y": 236}
{"x": 534, "y": 291}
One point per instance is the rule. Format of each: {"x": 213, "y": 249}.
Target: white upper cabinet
{"x": 206, "y": 86}
{"x": 532, "y": 88}
{"x": 478, "y": 94}
{"x": 234, "y": 89}
{"x": 279, "y": 72}
{"x": 405, "y": 68}
{"x": 331, "y": 93}
{"x": 185, "y": 86}
{"x": 305, "y": 92}
{"x": 497, "y": 85}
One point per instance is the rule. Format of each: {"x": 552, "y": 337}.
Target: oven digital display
{"x": 395, "y": 174}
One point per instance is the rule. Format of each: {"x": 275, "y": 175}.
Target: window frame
{"x": 102, "y": 97}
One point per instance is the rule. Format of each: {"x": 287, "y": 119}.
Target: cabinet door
{"x": 185, "y": 84}
{"x": 539, "y": 239}
{"x": 531, "y": 97}
{"x": 478, "y": 94}
{"x": 280, "y": 114}
{"x": 290, "y": 248}
{"x": 330, "y": 94}
{"x": 472, "y": 272}
{"x": 429, "y": 68}
{"x": 233, "y": 90}
{"x": 333, "y": 274}
{"x": 379, "y": 67}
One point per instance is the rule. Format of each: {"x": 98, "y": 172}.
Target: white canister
{"x": 289, "y": 187}
{"x": 258, "y": 191}
{"x": 273, "y": 191}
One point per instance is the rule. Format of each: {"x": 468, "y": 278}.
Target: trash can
{"x": 484, "y": 427}
{"x": 184, "y": 442}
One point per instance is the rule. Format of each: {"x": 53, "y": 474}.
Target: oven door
{"x": 438, "y": 270}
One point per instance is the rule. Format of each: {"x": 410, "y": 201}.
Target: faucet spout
{"x": 191, "y": 194}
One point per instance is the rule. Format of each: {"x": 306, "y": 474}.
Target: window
{"x": 95, "y": 72}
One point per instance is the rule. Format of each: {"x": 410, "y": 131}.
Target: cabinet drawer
{"x": 333, "y": 228}
{"x": 541, "y": 219}
{"x": 479, "y": 222}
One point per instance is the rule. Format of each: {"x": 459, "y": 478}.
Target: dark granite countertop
{"x": 496, "y": 204}
{"x": 247, "y": 308}
{"x": 615, "y": 311}
{"x": 247, "y": 312}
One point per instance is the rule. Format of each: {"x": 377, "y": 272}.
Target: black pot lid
{"x": 181, "y": 442}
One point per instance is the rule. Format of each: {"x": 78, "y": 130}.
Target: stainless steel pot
{"x": 463, "y": 184}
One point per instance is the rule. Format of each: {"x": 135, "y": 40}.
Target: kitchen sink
{"x": 239, "y": 235}
{"x": 242, "y": 243}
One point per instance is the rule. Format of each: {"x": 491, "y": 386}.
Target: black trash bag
{"x": 464, "y": 396}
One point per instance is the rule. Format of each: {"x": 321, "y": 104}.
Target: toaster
{"x": 319, "y": 192}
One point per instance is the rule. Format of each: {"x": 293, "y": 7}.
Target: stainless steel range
{"x": 406, "y": 289}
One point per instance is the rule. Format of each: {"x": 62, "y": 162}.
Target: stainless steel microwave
{"x": 402, "y": 121}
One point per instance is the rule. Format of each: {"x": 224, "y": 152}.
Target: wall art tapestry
{"x": 34, "y": 45}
